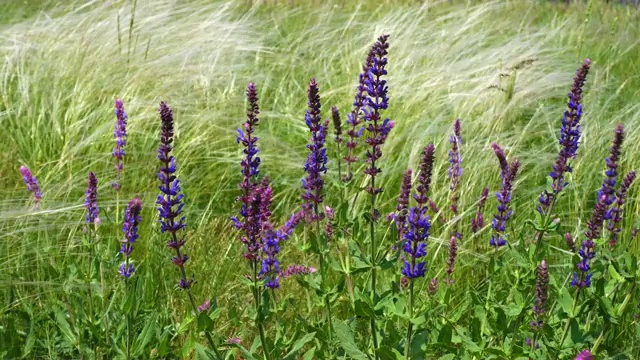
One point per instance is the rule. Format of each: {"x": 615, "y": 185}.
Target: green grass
{"x": 62, "y": 72}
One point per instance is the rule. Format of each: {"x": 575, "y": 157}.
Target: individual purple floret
{"x": 477, "y": 222}
{"x": 455, "y": 169}
{"x": 587, "y": 250}
{"x": 424, "y": 178}
{"x": 415, "y": 244}
{"x": 132, "y": 219}
{"x": 608, "y": 188}
{"x": 316, "y": 163}
{"x": 91, "y": 201}
{"x": 376, "y": 101}
{"x": 584, "y": 355}
{"x": 120, "y": 134}
{"x": 542, "y": 290}
{"x": 170, "y": 201}
{"x": 354, "y": 117}
{"x": 569, "y": 139}
{"x": 32, "y": 184}
{"x": 509, "y": 173}
{"x": 616, "y": 211}
{"x": 451, "y": 261}
{"x": 403, "y": 203}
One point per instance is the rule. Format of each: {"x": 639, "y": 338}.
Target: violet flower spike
{"x": 587, "y": 250}
{"x": 569, "y": 140}
{"x": 424, "y": 178}
{"x": 504, "y": 199}
{"x": 316, "y": 163}
{"x": 415, "y": 243}
{"x": 376, "y": 101}
{"x": 271, "y": 242}
{"x": 477, "y": 222}
{"x": 403, "y": 203}
{"x": 433, "y": 287}
{"x": 170, "y": 200}
{"x": 32, "y": 184}
{"x": 584, "y": 355}
{"x": 132, "y": 219}
{"x": 451, "y": 261}
{"x": 91, "y": 200}
{"x": 120, "y": 134}
{"x": 608, "y": 188}
{"x": 455, "y": 169}
{"x": 542, "y": 295}
{"x": 614, "y": 225}
{"x": 337, "y": 126}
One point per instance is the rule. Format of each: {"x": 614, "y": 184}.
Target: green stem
{"x": 374, "y": 335}
{"x": 321, "y": 251}
{"x": 566, "y": 327}
{"x": 407, "y": 345}
{"x": 258, "y": 302}
{"x": 128, "y": 315}
{"x": 339, "y": 164}
{"x": 601, "y": 337}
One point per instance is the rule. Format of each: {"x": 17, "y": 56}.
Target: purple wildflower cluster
{"x": 451, "y": 261}
{"x": 477, "y": 222}
{"x": 508, "y": 174}
{"x": 415, "y": 245}
{"x": 132, "y": 219}
{"x": 584, "y": 355}
{"x": 32, "y": 184}
{"x": 569, "y": 139}
{"x": 614, "y": 225}
{"x": 542, "y": 295}
{"x": 455, "y": 168}
{"x": 608, "y": 189}
{"x": 297, "y": 270}
{"x": 403, "y": 203}
{"x": 120, "y": 134}
{"x": 587, "y": 250}
{"x": 424, "y": 178}
{"x": 91, "y": 201}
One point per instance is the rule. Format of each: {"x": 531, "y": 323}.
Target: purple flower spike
{"x": 542, "y": 289}
{"x": 297, "y": 270}
{"x": 120, "y": 134}
{"x": 132, "y": 219}
{"x": 455, "y": 169}
{"x": 91, "y": 201}
{"x": 608, "y": 188}
{"x": 316, "y": 163}
{"x": 616, "y": 211}
{"x": 415, "y": 244}
{"x": 170, "y": 200}
{"x": 433, "y": 287}
{"x": 403, "y": 203}
{"x": 477, "y": 222}
{"x": 424, "y": 179}
{"x": 32, "y": 184}
{"x": 587, "y": 250}
{"x": 271, "y": 241}
{"x": 509, "y": 173}
{"x": 376, "y": 101}
{"x": 569, "y": 139}
{"x": 584, "y": 355}
{"x": 451, "y": 261}
{"x": 571, "y": 245}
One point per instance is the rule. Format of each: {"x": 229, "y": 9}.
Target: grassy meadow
{"x": 503, "y": 68}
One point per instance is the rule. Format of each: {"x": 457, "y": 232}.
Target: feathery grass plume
{"x": 614, "y": 225}
{"x": 132, "y": 219}
{"x": 542, "y": 296}
{"x": 509, "y": 172}
{"x": 455, "y": 169}
{"x": 316, "y": 163}
{"x": 569, "y": 140}
{"x": 477, "y": 222}
{"x": 608, "y": 188}
{"x": 424, "y": 178}
{"x": 32, "y": 184}
{"x": 451, "y": 261}
{"x": 584, "y": 355}
{"x": 587, "y": 249}
{"x": 91, "y": 201}
{"x": 120, "y": 134}
{"x": 571, "y": 245}
{"x": 337, "y": 126}
{"x": 354, "y": 117}
{"x": 403, "y": 203}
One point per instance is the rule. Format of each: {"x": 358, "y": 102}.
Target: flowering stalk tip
{"x": 120, "y": 134}
{"x": 91, "y": 201}
{"x": 455, "y": 168}
{"x": 32, "y": 184}
{"x": 508, "y": 172}
{"x": 132, "y": 219}
{"x": 477, "y": 222}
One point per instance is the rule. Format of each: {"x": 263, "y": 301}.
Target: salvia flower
{"x": 424, "y": 178}
{"x": 571, "y": 245}
{"x": 616, "y": 211}
{"x": 608, "y": 188}
{"x": 132, "y": 219}
{"x": 354, "y": 117}
{"x": 455, "y": 168}
{"x": 206, "y": 305}
{"x": 502, "y": 160}
{"x": 451, "y": 261}
{"x": 569, "y": 139}
{"x": 584, "y": 355}
{"x": 415, "y": 243}
{"x": 32, "y": 184}
{"x": 271, "y": 241}
{"x": 316, "y": 163}
{"x": 587, "y": 250}
{"x": 542, "y": 290}
{"x": 337, "y": 123}
{"x": 376, "y": 101}
{"x": 170, "y": 200}
{"x": 433, "y": 287}
{"x": 403, "y": 203}
{"x": 91, "y": 201}
{"x": 120, "y": 134}
{"x": 297, "y": 270}
{"x": 477, "y": 222}
{"x": 529, "y": 343}
{"x": 504, "y": 198}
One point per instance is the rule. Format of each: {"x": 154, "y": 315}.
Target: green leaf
{"x": 566, "y": 302}
{"x": 146, "y": 335}
{"x": 614, "y": 274}
{"x": 204, "y": 353}
{"x": 447, "y": 357}
{"x": 298, "y": 345}
{"x": 65, "y": 328}
{"x": 347, "y": 342}
{"x": 310, "y": 354}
